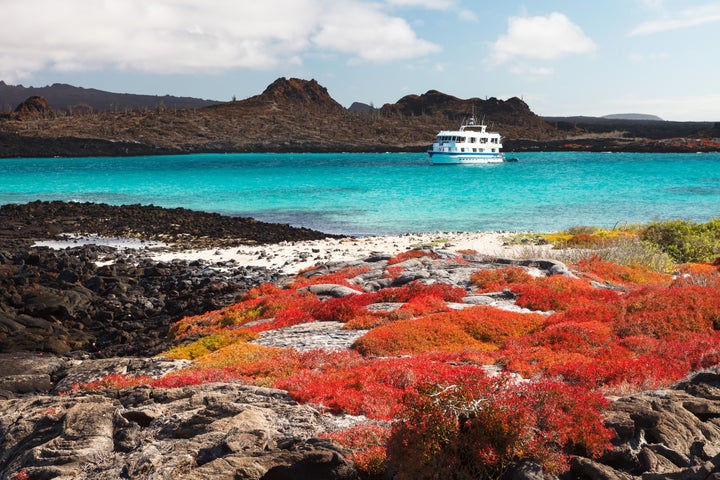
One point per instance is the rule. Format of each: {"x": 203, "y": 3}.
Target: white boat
{"x": 471, "y": 144}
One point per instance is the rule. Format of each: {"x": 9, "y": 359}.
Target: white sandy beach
{"x": 291, "y": 257}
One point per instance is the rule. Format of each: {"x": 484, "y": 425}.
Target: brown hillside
{"x": 290, "y": 115}
{"x": 512, "y": 117}
{"x": 32, "y": 107}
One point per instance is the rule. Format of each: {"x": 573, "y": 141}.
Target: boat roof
{"x": 470, "y": 127}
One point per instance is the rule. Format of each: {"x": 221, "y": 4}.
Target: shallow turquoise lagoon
{"x": 388, "y": 193}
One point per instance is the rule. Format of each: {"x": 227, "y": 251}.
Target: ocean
{"x": 393, "y": 193}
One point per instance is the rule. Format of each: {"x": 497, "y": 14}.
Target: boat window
{"x": 462, "y": 139}
{"x": 472, "y": 139}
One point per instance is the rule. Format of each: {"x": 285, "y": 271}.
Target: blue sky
{"x": 563, "y": 57}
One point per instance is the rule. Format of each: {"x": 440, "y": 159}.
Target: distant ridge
{"x": 63, "y": 97}
{"x": 631, "y": 116}
{"x": 360, "y": 107}
{"x": 296, "y": 115}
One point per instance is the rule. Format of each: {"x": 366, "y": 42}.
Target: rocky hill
{"x": 63, "y": 97}
{"x": 512, "y": 117}
{"x": 295, "y": 115}
{"x": 291, "y": 115}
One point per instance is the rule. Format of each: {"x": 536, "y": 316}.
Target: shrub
{"x": 495, "y": 279}
{"x": 256, "y": 364}
{"x": 393, "y": 272}
{"x": 604, "y": 312}
{"x": 661, "y": 311}
{"x": 193, "y": 376}
{"x": 404, "y": 256}
{"x": 686, "y": 241}
{"x": 367, "y": 443}
{"x": 346, "y": 382}
{"x": 587, "y": 237}
{"x": 407, "y": 292}
{"x": 339, "y": 277}
{"x": 420, "y": 306}
{"x": 557, "y": 344}
{"x": 492, "y": 325}
{"x": 628, "y": 276}
{"x": 369, "y": 320}
{"x": 286, "y": 307}
{"x": 342, "y": 309}
{"x": 702, "y": 274}
{"x": 560, "y": 293}
{"x": 210, "y": 343}
{"x": 633, "y": 251}
{"x": 405, "y": 337}
{"x": 115, "y": 381}
{"x": 20, "y": 475}
{"x": 478, "y": 428}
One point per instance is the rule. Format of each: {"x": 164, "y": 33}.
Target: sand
{"x": 291, "y": 257}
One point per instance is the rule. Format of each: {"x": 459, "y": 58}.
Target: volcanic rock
{"x": 213, "y": 431}
{"x": 32, "y": 107}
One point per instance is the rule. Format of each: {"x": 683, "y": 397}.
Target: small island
{"x": 294, "y": 115}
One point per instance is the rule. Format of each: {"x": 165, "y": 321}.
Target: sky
{"x": 562, "y": 57}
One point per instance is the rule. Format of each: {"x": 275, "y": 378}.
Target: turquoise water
{"x": 388, "y": 193}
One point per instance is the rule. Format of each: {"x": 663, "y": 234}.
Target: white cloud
{"x": 367, "y": 34}
{"x": 542, "y": 37}
{"x": 180, "y": 36}
{"x": 688, "y": 18}
{"x": 526, "y": 70}
{"x": 431, "y": 4}
{"x": 467, "y": 16}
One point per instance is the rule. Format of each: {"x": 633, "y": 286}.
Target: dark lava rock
{"x": 61, "y": 301}
{"x": 26, "y": 223}
{"x": 213, "y": 431}
{"x": 33, "y": 106}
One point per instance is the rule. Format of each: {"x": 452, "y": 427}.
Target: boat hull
{"x": 442, "y": 158}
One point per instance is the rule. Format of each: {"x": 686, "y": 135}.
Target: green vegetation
{"x": 657, "y": 245}
{"x": 686, "y": 241}
{"x": 435, "y": 243}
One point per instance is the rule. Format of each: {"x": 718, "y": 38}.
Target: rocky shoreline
{"x": 16, "y": 146}
{"x": 75, "y": 315}
{"x": 107, "y": 302}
